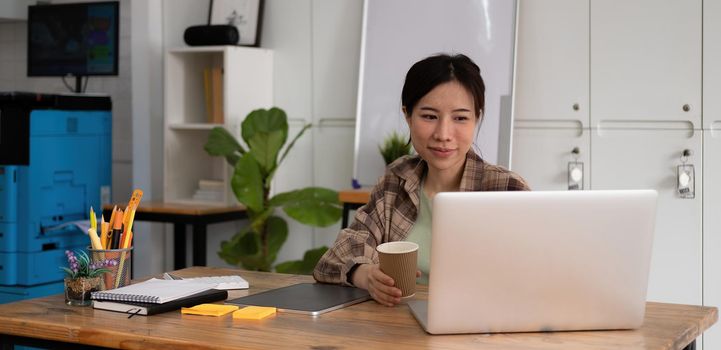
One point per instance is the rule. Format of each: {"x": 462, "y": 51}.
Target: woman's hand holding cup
{"x": 395, "y": 277}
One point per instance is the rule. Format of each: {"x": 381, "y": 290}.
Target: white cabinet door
{"x": 638, "y": 159}
{"x": 552, "y": 61}
{"x": 712, "y": 229}
{"x": 646, "y": 61}
{"x": 712, "y": 64}
{"x": 541, "y": 156}
{"x": 712, "y": 163}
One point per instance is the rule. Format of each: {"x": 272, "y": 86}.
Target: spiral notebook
{"x": 147, "y": 309}
{"x": 155, "y": 291}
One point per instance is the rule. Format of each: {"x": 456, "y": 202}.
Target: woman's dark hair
{"x": 428, "y": 73}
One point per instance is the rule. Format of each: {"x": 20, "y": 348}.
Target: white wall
{"x": 151, "y": 242}
{"x": 12, "y": 10}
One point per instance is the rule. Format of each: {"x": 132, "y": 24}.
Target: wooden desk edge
{"x": 181, "y": 209}
{"x": 699, "y": 319}
{"x": 710, "y": 317}
{"x": 355, "y": 196}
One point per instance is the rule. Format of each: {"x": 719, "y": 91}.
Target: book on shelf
{"x": 147, "y": 309}
{"x": 213, "y": 93}
{"x": 210, "y": 191}
{"x": 204, "y": 184}
{"x": 208, "y": 195}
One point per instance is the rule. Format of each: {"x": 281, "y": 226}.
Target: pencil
{"x": 117, "y": 230}
{"x": 103, "y": 232}
{"x": 108, "y": 234}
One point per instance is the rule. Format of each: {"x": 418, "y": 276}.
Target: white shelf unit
{"x": 247, "y": 84}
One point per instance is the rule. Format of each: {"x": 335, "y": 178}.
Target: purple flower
{"x": 72, "y": 261}
{"x": 103, "y": 263}
{"x": 82, "y": 265}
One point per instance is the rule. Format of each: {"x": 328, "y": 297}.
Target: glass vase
{"x": 77, "y": 290}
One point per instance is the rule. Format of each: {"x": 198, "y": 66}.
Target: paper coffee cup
{"x": 399, "y": 260}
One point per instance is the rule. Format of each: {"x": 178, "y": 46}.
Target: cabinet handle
{"x": 576, "y": 107}
{"x": 686, "y": 108}
{"x": 575, "y": 171}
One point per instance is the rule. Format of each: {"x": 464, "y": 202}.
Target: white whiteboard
{"x": 398, "y": 33}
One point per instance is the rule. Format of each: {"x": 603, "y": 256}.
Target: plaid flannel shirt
{"x": 393, "y": 208}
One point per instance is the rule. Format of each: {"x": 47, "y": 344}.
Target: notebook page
{"x": 154, "y": 290}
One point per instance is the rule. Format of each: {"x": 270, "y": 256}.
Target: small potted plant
{"x": 83, "y": 277}
{"x": 394, "y": 147}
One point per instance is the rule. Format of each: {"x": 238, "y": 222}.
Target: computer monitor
{"x": 79, "y": 39}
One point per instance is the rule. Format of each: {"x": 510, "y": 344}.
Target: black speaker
{"x": 211, "y": 35}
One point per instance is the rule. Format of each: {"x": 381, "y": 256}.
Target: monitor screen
{"x": 78, "y": 39}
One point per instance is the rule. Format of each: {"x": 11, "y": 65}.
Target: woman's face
{"x": 442, "y": 126}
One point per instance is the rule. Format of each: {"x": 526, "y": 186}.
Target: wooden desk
{"x": 352, "y": 199}
{"x": 199, "y": 216}
{"x": 366, "y": 325}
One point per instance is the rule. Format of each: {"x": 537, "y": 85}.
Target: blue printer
{"x": 55, "y": 163}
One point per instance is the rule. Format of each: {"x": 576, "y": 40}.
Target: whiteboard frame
{"x": 505, "y": 128}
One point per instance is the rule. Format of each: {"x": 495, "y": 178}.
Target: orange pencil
{"x": 108, "y": 234}
{"x": 126, "y": 219}
{"x": 117, "y": 230}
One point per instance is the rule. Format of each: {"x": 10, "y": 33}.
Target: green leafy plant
{"x": 265, "y": 132}
{"x": 394, "y": 147}
{"x": 80, "y": 266}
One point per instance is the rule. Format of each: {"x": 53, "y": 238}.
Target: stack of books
{"x": 155, "y": 296}
{"x": 209, "y": 191}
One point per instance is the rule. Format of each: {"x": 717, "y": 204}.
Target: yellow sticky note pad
{"x": 254, "y": 312}
{"x": 209, "y": 309}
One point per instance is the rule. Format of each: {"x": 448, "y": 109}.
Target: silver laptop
{"x": 538, "y": 261}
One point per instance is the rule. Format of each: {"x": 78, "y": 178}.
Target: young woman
{"x": 443, "y": 102}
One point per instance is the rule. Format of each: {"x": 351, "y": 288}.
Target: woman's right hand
{"x": 378, "y": 284}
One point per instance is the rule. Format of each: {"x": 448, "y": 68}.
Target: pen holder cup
{"x": 119, "y": 274}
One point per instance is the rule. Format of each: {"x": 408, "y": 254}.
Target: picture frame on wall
{"x": 245, "y": 15}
